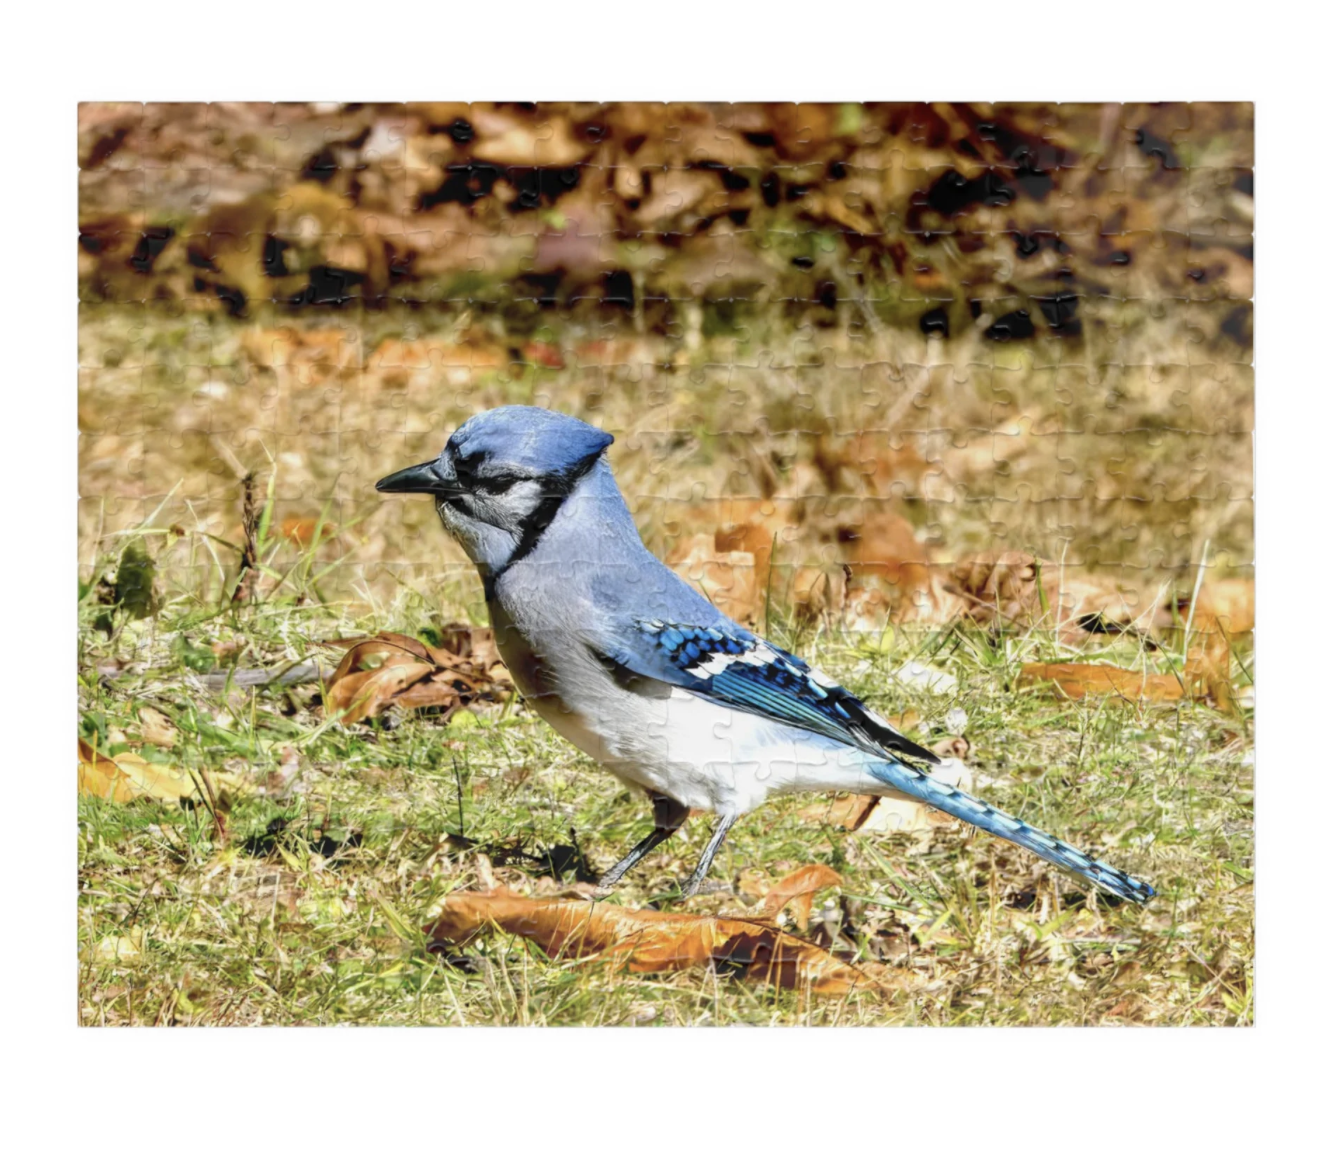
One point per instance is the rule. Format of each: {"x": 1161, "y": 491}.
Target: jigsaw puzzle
{"x": 830, "y": 595}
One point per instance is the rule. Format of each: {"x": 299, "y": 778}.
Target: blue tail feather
{"x": 924, "y": 787}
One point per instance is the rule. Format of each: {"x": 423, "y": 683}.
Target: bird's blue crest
{"x": 527, "y": 437}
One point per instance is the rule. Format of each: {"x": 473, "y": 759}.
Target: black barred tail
{"x": 924, "y": 787}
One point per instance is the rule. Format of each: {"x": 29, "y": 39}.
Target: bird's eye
{"x": 465, "y": 467}
{"x": 497, "y": 485}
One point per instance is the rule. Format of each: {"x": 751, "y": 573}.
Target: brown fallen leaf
{"x": 1079, "y": 680}
{"x": 395, "y": 357}
{"x": 1020, "y": 589}
{"x": 101, "y": 776}
{"x": 390, "y": 668}
{"x": 645, "y": 941}
{"x": 884, "y": 814}
{"x": 509, "y": 139}
{"x": 952, "y": 748}
{"x": 157, "y": 728}
{"x": 881, "y": 547}
{"x": 849, "y": 811}
{"x": 469, "y": 642}
{"x": 821, "y": 593}
{"x": 296, "y": 346}
{"x": 1225, "y": 606}
{"x": 1210, "y": 668}
{"x": 731, "y": 579}
{"x": 798, "y": 889}
{"x": 869, "y": 463}
{"x": 837, "y": 209}
{"x": 1224, "y": 616}
{"x": 360, "y": 695}
{"x": 127, "y": 776}
{"x": 753, "y": 539}
{"x": 752, "y": 882}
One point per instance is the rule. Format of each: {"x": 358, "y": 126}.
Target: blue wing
{"x": 734, "y": 667}
{"x": 731, "y": 666}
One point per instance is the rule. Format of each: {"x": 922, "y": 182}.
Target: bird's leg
{"x": 693, "y": 882}
{"x": 669, "y": 818}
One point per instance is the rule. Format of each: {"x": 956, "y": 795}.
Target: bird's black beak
{"x": 422, "y": 479}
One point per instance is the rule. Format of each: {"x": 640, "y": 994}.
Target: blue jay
{"x": 646, "y": 676}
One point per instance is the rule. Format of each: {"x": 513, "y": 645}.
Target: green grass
{"x": 310, "y": 908}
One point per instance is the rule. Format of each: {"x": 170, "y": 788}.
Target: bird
{"x": 645, "y": 675}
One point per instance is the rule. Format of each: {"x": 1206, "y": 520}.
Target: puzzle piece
{"x": 897, "y": 379}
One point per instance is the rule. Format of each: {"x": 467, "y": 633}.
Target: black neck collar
{"x": 538, "y": 522}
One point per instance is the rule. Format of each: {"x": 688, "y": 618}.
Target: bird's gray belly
{"x": 583, "y": 716}
{"x": 532, "y": 673}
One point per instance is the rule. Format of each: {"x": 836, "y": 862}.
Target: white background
{"x": 630, "y": 1092}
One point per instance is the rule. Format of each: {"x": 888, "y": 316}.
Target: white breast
{"x": 702, "y": 754}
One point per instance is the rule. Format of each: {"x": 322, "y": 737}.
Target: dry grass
{"x": 1131, "y": 469}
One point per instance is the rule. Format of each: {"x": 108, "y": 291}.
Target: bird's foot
{"x": 607, "y": 881}
{"x": 702, "y": 886}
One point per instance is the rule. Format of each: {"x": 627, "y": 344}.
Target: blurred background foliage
{"x": 892, "y": 338}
